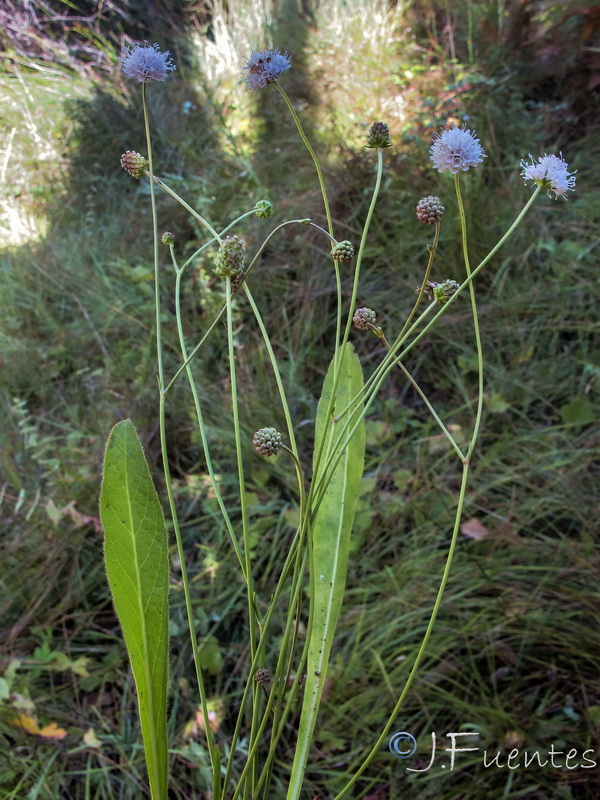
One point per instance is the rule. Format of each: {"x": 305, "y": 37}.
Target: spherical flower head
{"x": 379, "y": 136}
{"x": 551, "y": 173}
{"x": 263, "y": 676}
{"x": 430, "y": 210}
{"x": 230, "y": 260}
{"x": 456, "y": 149}
{"x": 265, "y": 67}
{"x": 343, "y": 251}
{"x": 364, "y": 318}
{"x": 168, "y": 238}
{"x": 146, "y": 61}
{"x": 263, "y": 209}
{"x": 445, "y": 290}
{"x": 267, "y": 441}
{"x": 134, "y": 163}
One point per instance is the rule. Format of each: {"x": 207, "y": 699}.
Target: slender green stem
{"x": 424, "y": 643}
{"x": 155, "y": 237}
{"x": 472, "y": 276}
{"x": 252, "y": 616}
{"x": 361, "y": 248}
{"x": 308, "y": 146}
{"x": 212, "y": 240}
{"x": 213, "y": 749}
{"x": 200, "y": 419}
{"x": 223, "y": 309}
{"x": 313, "y": 155}
{"x": 154, "y": 179}
{"x": 423, "y": 397}
{"x": 463, "y": 230}
{"x": 277, "y": 374}
{"x": 423, "y": 288}
{"x": 319, "y": 228}
{"x": 328, "y": 455}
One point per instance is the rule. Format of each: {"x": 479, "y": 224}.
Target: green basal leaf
{"x": 137, "y": 566}
{"x": 331, "y": 527}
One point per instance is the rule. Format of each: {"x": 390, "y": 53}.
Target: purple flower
{"x": 456, "y": 149}
{"x": 145, "y": 61}
{"x": 265, "y": 67}
{"x": 550, "y": 172}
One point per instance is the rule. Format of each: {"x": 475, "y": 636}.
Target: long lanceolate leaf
{"x": 137, "y": 566}
{"x": 330, "y": 536}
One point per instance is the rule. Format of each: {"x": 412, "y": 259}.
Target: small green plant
{"x": 136, "y": 544}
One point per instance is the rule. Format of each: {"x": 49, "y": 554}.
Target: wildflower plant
{"x": 136, "y": 545}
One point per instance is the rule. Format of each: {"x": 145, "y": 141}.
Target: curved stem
{"x": 213, "y": 750}
{"x": 423, "y": 397}
{"x": 425, "y": 641}
{"x": 200, "y": 419}
{"x": 328, "y": 454}
{"x": 463, "y": 231}
{"x": 361, "y": 248}
{"x": 313, "y": 155}
{"x": 155, "y": 179}
{"x": 155, "y": 237}
{"x": 474, "y": 273}
{"x": 224, "y": 307}
{"x": 432, "y": 251}
{"x": 213, "y": 239}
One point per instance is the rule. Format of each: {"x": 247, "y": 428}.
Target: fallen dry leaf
{"x": 29, "y": 725}
{"x": 52, "y": 731}
{"x": 91, "y": 740}
{"x": 474, "y": 529}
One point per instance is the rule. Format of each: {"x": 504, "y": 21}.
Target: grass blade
{"x": 135, "y": 552}
{"x": 330, "y": 531}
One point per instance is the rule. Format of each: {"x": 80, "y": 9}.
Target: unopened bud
{"x": 430, "y": 210}
{"x": 134, "y": 163}
{"x": 379, "y": 136}
{"x": 363, "y": 318}
{"x": 267, "y": 441}
{"x": 263, "y": 209}
{"x": 342, "y": 251}
{"x": 230, "y": 260}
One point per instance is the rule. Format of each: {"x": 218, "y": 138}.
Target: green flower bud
{"x": 267, "y": 441}
{"x": 342, "y": 251}
{"x": 168, "y": 238}
{"x": 263, "y": 209}
{"x": 230, "y": 260}
{"x": 134, "y": 163}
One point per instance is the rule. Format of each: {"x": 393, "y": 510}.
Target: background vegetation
{"x": 516, "y": 649}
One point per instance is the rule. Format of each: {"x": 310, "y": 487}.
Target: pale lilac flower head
{"x": 551, "y": 173}
{"x": 265, "y": 67}
{"x": 146, "y": 61}
{"x": 456, "y": 149}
